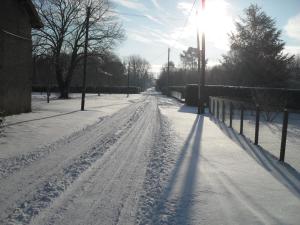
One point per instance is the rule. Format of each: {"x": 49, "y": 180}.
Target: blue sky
{"x": 154, "y": 25}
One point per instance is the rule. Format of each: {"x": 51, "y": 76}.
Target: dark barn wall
{"x": 15, "y": 58}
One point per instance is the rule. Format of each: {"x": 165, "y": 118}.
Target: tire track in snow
{"x": 58, "y": 180}
{"x": 162, "y": 158}
{"x": 13, "y": 164}
{"x": 108, "y": 193}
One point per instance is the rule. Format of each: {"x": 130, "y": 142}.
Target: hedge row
{"x": 190, "y": 92}
{"x": 290, "y": 96}
{"x": 103, "y": 89}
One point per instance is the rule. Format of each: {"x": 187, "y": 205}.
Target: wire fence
{"x": 277, "y": 131}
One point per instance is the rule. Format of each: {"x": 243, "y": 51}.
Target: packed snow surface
{"x": 146, "y": 159}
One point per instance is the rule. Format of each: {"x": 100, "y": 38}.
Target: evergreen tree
{"x": 256, "y": 55}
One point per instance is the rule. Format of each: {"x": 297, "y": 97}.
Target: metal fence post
{"x": 218, "y": 110}
{"x": 242, "y": 120}
{"x": 214, "y": 113}
{"x": 209, "y": 107}
{"x": 257, "y": 125}
{"x": 231, "y": 114}
{"x": 284, "y": 134}
{"x": 223, "y": 111}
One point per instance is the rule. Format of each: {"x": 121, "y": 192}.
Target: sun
{"x": 216, "y": 21}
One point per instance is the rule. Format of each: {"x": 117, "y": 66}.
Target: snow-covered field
{"x": 146, "y": 159}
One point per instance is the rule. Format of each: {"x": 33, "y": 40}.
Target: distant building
{"x": 17, "y": 18}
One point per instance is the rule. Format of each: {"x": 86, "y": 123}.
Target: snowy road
{"x": 118, "y": 174}
{"x": 152, "y": 161}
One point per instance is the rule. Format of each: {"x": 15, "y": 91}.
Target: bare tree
{"x": 271, "y": 103}
{"x": 64, "y": 32}
{"x": 139, "y": 70}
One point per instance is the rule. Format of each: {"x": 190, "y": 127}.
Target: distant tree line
{"x": 255, "y": 58}
{"x": 105, "y": 70}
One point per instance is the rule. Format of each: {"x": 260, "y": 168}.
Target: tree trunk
{"x": 61, "y": 84}
{"x": 64, "y": 84}
{"x": 64, "y": 91}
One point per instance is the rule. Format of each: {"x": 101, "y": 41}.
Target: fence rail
{"x": 250, "y": 120}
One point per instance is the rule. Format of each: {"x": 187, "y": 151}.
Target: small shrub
{"x": 271, "y": 103}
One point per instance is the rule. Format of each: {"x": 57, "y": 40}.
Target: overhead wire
{"x": 181, "y": 33}
{"x": 145, "y": 16}
{"x": 185, "y": 24}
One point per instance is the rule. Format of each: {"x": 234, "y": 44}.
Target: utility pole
{"x": 168, "y": 78}
{"x": 128, "y": 79}
{"x": 88, "y": 12}
{"x": 202, "y": 82}
{"x": 144, "y": 81}
{"x": 199, "y": 71}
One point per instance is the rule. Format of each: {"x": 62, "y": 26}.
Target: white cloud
{"x": 154, "y": 19}
{"x": 293, "y": 27}
{"x": 169, "y": 39}
{"x": 131, "y": 4}
{"x": 184, "y": 7}
{"x": 155, "y": 3}
{"x": 135, "y": 35}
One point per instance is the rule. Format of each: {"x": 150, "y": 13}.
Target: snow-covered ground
{"x": 54, "y": 121}
{"x": 270, "y": 133}
{"x": 146, "y": 159}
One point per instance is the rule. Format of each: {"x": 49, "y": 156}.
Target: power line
{"x": 145, "y": 16}
{"x": 185, "y": 24}
{"x": 183, "y": 28}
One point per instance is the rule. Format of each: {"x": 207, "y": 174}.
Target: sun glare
{"x": 215, "y": 21}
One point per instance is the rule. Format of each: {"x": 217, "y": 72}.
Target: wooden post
{"x": 256, "y": 125}
{"x": 230, "y": 115}
{"x": 242, "y": 120}
{"x": 199, "y": 71}
{"x": 284, "y": 134}
{"x": 203, "y": 65}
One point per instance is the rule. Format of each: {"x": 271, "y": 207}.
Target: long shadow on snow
{"x": 181, "y": 206}
{"x": 60, "y": 114}
{"x": 188, "y": 109}
{"x": 286, "y": 174}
